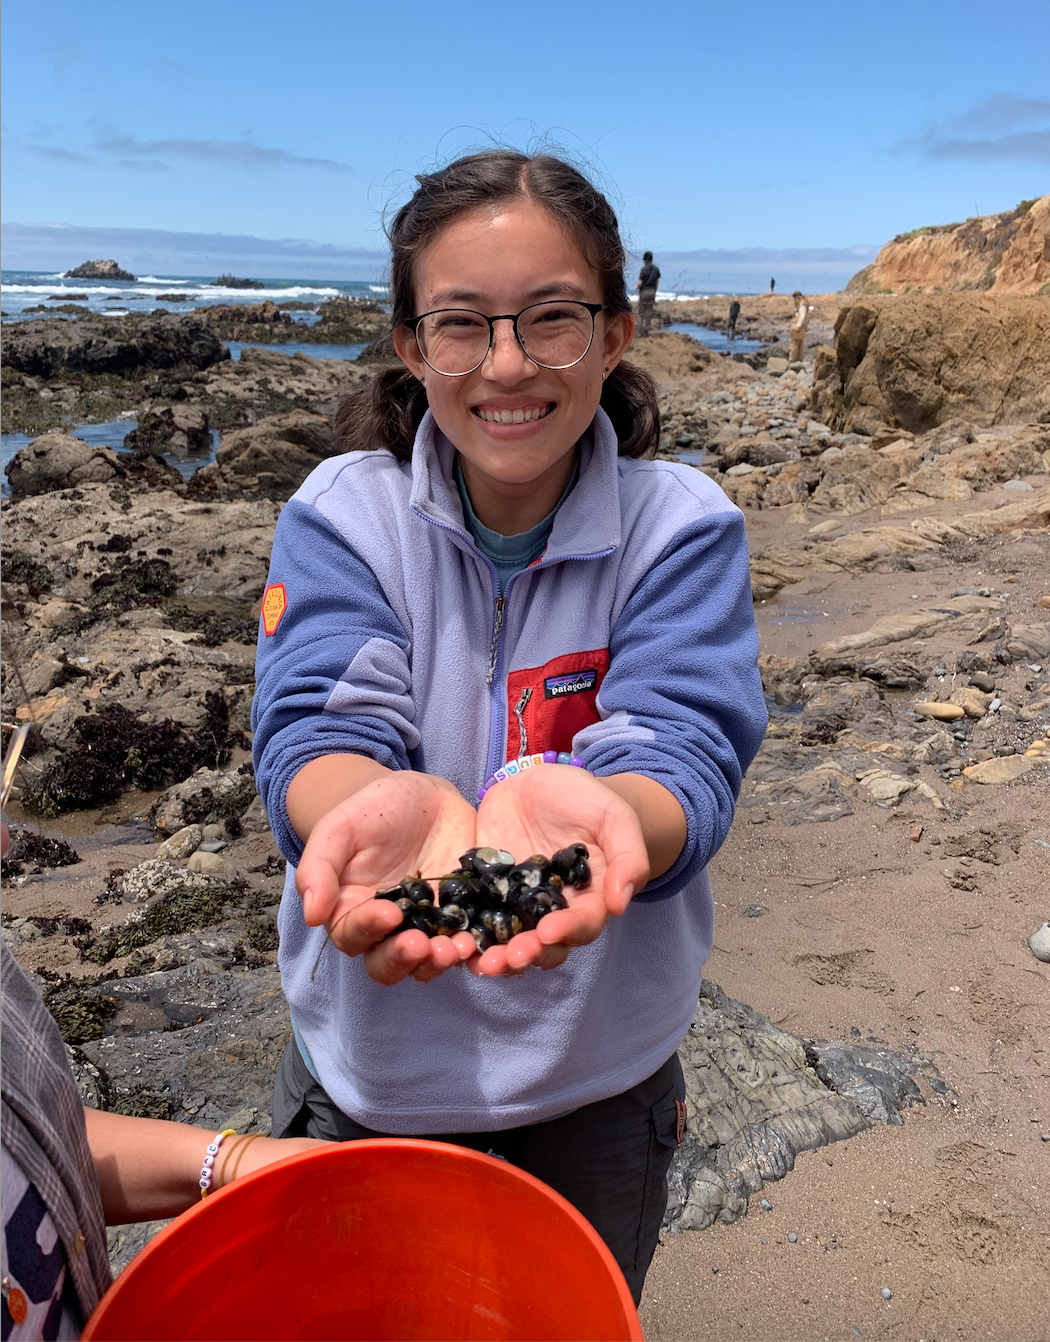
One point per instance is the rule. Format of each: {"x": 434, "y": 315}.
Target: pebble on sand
{"x": 886, "y": 1293}
{"x": 942, "y": 712}
{"x": 1039, "y": 943}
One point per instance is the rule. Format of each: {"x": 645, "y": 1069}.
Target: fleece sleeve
{"x": 333, "y": 677}
{"x": 682, "y": 700}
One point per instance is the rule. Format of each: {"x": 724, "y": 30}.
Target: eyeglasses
{"x": 456, "y": 341}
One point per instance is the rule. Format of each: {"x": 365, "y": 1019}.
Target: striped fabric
{"x": 43, "y": 1130}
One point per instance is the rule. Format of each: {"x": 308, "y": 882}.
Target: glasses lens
{"x": 556, "y": 335}
{"x": 454, "y": 340}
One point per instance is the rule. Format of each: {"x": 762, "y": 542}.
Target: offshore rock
{"x": 99, "y": 270}
{"x": 758, "y": 1096}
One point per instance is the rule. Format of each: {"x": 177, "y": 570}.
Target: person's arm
{"x": 149, "y": 1169}
{"x": 682, "y": 706}
{"x": 660, "y": 818}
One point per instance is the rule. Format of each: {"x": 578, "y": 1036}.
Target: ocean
{"x": 22, "y": 289}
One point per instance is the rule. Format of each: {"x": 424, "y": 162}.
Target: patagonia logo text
{"x": 274, "y": 604}
{"x": 573, "y": 682}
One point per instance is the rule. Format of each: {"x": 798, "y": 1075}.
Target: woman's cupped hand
{"x": 409, "y": 824}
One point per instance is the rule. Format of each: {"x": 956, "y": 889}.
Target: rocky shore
{"x": 890, "y": 854}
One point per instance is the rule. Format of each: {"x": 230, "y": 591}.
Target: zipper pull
{"x": 497, "y": 629}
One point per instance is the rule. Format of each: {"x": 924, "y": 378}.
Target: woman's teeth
{"x": 513, "y": 416}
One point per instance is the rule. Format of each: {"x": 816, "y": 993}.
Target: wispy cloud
{"x": 998, "y": 129}
{"x": 244, "y": 154}
{"x": 125, "y": 151}
{"x": 57, "y": 154}
{"x": 1031, "y": 146}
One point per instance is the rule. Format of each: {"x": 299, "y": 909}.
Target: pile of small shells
{"x": 490, "y": 896}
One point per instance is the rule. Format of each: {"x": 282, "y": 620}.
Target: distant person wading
{"x": 648, "y": 281}
{"x": 734, "y": 313}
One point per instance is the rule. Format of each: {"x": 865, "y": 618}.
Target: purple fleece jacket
{"x": 631, "y": 641}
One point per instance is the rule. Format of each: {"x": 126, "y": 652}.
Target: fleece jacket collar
{"x": 588, "y": 522}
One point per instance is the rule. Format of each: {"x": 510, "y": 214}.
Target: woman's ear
{"x": 408, "y": 351}
{"x": 619, "y": 332}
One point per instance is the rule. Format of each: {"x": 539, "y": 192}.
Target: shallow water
{"x": 110, "y": 433}
{"x": 715, "y": 340}
{"x": 314, "y": 351}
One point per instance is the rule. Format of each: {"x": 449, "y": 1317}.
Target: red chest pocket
{"x": 547, "y": 705}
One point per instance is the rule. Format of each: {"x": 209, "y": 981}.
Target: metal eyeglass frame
{"x": 593, "y": 308}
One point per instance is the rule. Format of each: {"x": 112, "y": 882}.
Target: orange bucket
{"x": 385, "y": 1238}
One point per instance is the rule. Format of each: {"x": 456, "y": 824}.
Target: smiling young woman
{"x": 495, "y": 569}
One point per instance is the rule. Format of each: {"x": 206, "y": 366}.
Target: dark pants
{"x": 609, "y": 1159}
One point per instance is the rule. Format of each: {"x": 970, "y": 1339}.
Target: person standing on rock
{"x": 734, "y": 313}
{"x": 772, "y": 285}
{"x": 648, "y": 283}
{"x": 496, "y": 622}
{"x": 799, "y": 322}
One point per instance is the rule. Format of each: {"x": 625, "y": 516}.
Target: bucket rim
{"x": 206, "y": 1207}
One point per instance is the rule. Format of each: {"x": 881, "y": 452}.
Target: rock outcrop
{"x": 914, "y": 362}
{"x": 341, "y": 321}
{"x": 99, "y": 270}
{"x": 171, "y": 428}
{"x": 232, "y": 282}
{"x": 125, "y": 346}
{"x": 1006, "y": 253}
{"x": 276, "y": 455}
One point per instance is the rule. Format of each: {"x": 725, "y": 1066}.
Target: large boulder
{"x": 917, "y": 361}
{"x": 276, "y": 455}
{"x": 58, "y": 461}
{"x": 122, "y": 346}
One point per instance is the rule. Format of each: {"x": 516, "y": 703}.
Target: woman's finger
{"x": 395, "y": 959}
{"x": 358, "y": 928}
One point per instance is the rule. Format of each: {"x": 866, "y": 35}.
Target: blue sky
{"x": 713, "y": 126}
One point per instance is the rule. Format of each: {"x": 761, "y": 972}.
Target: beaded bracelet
{"x": 524, "y": 762}
{"x": 207, "y": 1168}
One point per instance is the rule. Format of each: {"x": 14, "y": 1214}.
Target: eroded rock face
{"x": 915, "y": 361}
{"x": 1007, "y": 253}
{"x": 125, "y": 346}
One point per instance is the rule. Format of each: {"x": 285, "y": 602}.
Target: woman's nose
{"x": 506, "y": 361}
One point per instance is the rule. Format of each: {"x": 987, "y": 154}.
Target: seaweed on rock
{"x": 18, "y": 567}
{"x": 113, "y": 751}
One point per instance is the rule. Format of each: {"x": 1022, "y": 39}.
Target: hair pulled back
{"x": 387, "y": 413}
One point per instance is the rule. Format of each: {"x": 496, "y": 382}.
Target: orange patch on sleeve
{"x": 274, "y": 604}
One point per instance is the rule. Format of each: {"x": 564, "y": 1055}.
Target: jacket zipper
{"x": 494, "y": 671}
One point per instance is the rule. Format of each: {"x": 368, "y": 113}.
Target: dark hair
{"x": 647, "y": 256}
{"x": 388, "y": 412}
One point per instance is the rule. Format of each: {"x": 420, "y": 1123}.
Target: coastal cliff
{"x": 1006, "y": 253}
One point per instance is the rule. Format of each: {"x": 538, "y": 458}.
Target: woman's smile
{"x": 514, "y": 423}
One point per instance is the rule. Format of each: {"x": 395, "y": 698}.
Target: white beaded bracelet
{"x": 524, "y": 762}
{"x": 207, "y": 1169}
